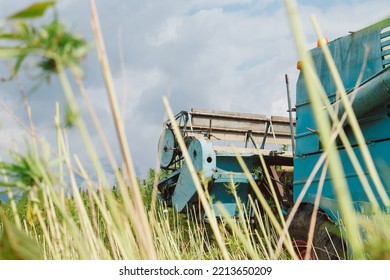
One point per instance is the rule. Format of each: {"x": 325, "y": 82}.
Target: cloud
{"x": 223, "y": 55}
{"x": 167, "y": 33}
{"x": 337, "y": 18}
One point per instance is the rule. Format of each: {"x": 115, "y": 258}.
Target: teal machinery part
{"x": 371, "y": 105}
{"x": 216, "y": 170}
{"x": 167, "y": 148}
{"x": 217, "y": 167}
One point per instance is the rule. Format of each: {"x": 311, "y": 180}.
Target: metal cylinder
{"x": 371, "y": 95}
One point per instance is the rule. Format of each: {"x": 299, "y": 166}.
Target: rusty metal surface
{"x": 231, "y": 126}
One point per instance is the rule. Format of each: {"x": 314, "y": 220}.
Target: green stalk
{"x": 354, "y": 124}
{"x": 57, "y": 122}
{"x": 323, "y": 124}
{"x": 268, "y": 210}
{"x": 142, "y": 227}
{"x": 243, "y": 232}
{"x": 205, "y": 204}
{"x": 313, "y": 218}
{"x": 12, "y": 202}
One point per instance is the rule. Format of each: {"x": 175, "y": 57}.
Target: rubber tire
{"x": 326, "y": 248}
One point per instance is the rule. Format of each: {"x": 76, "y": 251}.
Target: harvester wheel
{"x": 327, "y": 243}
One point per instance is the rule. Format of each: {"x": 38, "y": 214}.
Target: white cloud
{"x": 166, "y": 33}
{"x": 338, "y": 19}
{"x": 222, "y": 54}
{"x": 138, "y": 82}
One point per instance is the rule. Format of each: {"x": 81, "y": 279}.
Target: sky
{"x": 228, "y": 55}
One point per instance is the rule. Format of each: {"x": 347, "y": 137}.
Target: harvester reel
{"x": 167, "y": 148}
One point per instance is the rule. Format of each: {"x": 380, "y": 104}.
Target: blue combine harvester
{"x": 211, "y": 135}
{"x": 208, "y": 135}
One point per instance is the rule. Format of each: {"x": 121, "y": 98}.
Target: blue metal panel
{"x": 204, "y": 160}
{"x": 371, "y": 95}
{"x": 219, "y": 169}
{"x": 303, "y": 167}
{"x": 166, "y": 147}
{"x": 221, "y": 193}
{"x": 372, "y": 106}
{"x": 228, "y": 161}
{"x": 348, "y": 53}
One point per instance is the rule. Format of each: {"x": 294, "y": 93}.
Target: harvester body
{"x": 211, "y": 138}
{"x": 214, "y": 139}
{"x": 365, "y": 53}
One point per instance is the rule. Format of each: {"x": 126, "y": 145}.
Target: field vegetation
{"x": 52, "y": 214}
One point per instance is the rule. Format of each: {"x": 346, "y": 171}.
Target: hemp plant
{"x": 48, "y": 45}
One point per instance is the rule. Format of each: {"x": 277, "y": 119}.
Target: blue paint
{"x": 371, "y": 105}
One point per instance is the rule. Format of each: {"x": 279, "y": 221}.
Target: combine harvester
{"x": 211, "y": 135}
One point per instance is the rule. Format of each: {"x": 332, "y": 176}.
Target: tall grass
{"x": 58, "y": 219}
{"x": 351, "y": 220}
